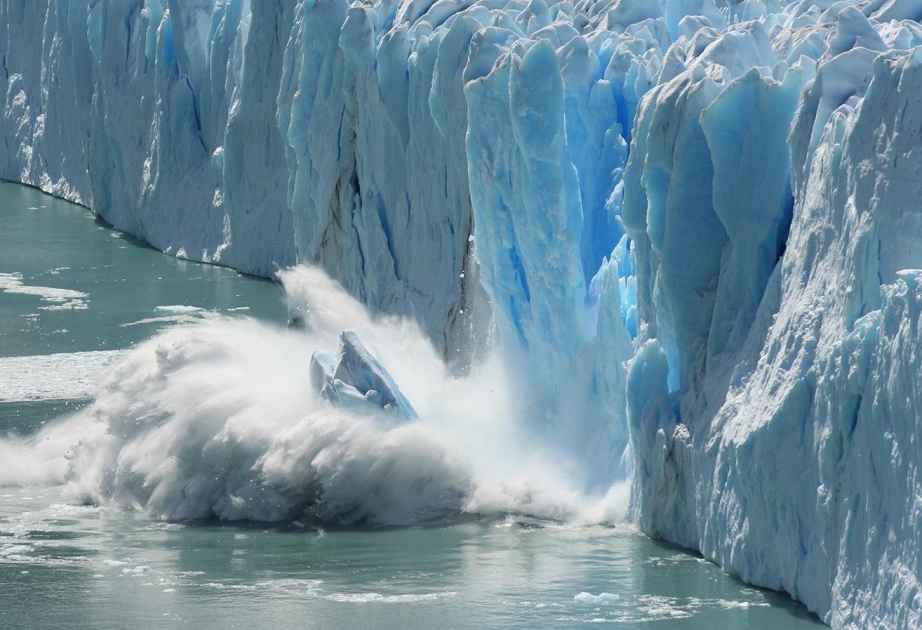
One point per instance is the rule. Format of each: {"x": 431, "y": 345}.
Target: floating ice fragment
{"x": 61, "y": 298}
{"x": 601, "y": 598}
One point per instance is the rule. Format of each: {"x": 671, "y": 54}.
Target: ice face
{"x": 691, "y": 225}
{"x": 754, "y": 395}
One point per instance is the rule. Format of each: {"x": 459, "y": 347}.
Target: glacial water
{"x": 75, "y": 296}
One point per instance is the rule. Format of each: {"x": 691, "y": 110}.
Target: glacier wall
{"x": 772, "y": 400}
{"x": 254, "y": 137}
{"x": 692, "y": 226}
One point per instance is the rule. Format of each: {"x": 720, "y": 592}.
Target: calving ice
{"x": 237, "y": 419}
{"x": 687, "y": 229}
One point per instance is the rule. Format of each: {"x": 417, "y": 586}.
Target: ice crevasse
{"x": 697, "y": 224}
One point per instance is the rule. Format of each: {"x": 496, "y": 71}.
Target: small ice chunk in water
{"x": 601, "y": 598}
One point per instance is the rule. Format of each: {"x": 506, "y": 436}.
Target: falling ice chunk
{"x": 354, "y": 378}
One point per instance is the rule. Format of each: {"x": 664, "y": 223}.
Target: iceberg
{"x": 691, "y": 228}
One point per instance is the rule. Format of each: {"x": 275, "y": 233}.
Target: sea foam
{"x": 218, "y": 419}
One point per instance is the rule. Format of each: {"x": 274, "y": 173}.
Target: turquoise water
{"x": 59, "y": 246}
{"x": 76, "y": 296}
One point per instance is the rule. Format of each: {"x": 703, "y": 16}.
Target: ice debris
{"x": 354, "y": 378}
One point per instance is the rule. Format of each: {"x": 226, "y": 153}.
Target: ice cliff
{"x": 693, "y": 227}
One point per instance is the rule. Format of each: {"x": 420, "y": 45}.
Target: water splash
{"x": 218, "y": 419}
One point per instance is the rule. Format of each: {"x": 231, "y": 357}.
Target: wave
{"x": 217, "y": 419}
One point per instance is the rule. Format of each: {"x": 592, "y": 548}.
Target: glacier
{"x": 691, "y": 226}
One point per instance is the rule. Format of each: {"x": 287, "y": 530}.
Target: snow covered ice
{"x": 689, "y": 229}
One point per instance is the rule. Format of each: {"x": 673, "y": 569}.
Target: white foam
{"x": 114, "y": 563}
{"x": 68, "y": 376}
{"x": 659, "y": 607}
{"x": 221, "y": 586}
{"x": 365, "y": 598}
{"x": 179, "y": 308}
{"x": 15, "y": 550}
{"x": 230, "y": 399}
{"x": 724, "y": 604}
{"x": 188, "y": 317}
{"x": 61, "y": 298}
{"x": 70, "y": 305}
{"x": 42, "y": 459}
